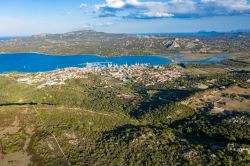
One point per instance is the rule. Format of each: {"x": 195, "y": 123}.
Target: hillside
{"x": 198, "y": 115}
{"x": 106, "y": 44}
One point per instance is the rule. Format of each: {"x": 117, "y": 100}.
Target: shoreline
{"x": 172, "y": 57}
{"x": 98, "y": 55}
{"x": 65, "y": 68}
{"x": 78, "y": 59}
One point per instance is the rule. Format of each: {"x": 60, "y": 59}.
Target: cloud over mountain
{"x": 139, "y": 9}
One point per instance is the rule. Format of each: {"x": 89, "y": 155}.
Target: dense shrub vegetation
{"x": 129, "y": 124}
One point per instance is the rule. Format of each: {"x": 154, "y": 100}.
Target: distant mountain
{"x": 108, "y": 44}
{"x": 208, "y": 32}
{"x": 240, "y": 30}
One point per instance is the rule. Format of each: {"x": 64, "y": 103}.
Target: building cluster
{"x": 143, "y": 74}
{"x": 57, "y": 77}
{"x": 138, "y": 74}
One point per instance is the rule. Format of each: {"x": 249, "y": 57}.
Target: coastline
{"x": 98, "y": 55}
{"x": 39, "y": 62}
{"x": 172, "y": 58}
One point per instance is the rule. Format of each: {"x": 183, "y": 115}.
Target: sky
{"x": 28, "y": 17}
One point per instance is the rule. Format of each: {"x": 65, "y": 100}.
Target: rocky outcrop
{"x": 173, "y": 44}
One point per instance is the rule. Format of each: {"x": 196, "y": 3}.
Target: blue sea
{"x": 12, "y": 37}
{"x": 32, "y": 62}
{"x": 6, "y": 38}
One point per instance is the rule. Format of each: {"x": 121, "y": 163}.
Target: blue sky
{"x": 26, "y": 17}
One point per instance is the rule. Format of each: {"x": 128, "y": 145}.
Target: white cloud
{"x": 115, "y": 3}
{"x": 135, "y": 9}
{"x": 104, "y": 24}
{"x": 239, "y": 5}
{"x": 157, "y": 14}
{"x": 171, "y": 8}
{"x": 83, "y": 5}
{"x": 101, "y": 24}
{"x": 181, "y": 6}
{"x": 87, "y": 9}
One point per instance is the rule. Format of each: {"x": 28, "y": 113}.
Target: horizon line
{"x": 188, "y": 32}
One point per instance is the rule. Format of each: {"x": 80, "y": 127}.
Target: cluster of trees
{"x": 163, "y": 145}
{"x": 228, "y": 127}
